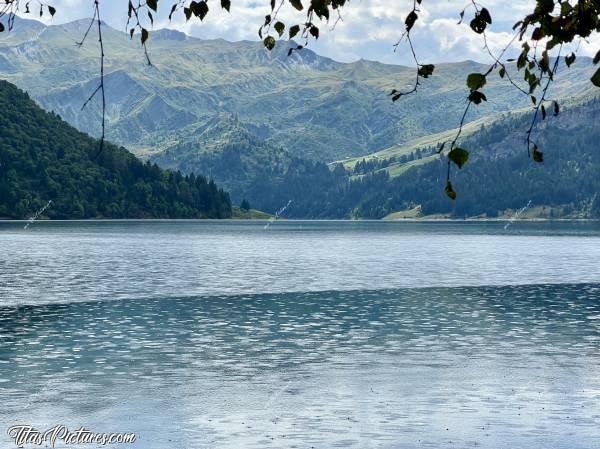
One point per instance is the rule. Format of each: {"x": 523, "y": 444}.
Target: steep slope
{"x": 229, "y": 153}
{"x": 44, "y": 159}
{"x": 312, "y": 106}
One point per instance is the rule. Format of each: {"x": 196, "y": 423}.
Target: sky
{"x": 368, "y": 29}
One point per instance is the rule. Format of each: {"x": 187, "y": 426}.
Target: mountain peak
{"x": 169, "y": 34}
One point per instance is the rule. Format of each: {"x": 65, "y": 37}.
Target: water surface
{"x": 68, "y": 262}
{"x": 365, "y": 335}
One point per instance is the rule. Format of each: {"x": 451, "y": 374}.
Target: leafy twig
{"x": 538, "y": 156}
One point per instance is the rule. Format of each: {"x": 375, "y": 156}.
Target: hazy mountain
{"x": 312, "y": 106}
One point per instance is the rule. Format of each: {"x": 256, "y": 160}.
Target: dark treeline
{"x": 43, "y": 158}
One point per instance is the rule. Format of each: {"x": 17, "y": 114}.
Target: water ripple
{"x": 491, "y": 367}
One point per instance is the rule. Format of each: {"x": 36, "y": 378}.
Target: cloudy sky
{"x": 368, "y": 30}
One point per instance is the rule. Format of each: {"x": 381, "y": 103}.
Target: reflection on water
{"x": 492, "y": 367}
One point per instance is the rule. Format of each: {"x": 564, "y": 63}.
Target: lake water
{"x": 304, "y": 335}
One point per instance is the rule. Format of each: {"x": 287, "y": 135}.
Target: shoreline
{"x": 219, "y": 220}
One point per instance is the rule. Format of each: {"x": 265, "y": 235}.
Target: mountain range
{"x": 265, "y": 125}
{"x": 312, "y": 106}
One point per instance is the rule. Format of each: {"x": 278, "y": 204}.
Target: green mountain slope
{"x": 229, "y": 153}
{"x": 44, "y": 159}
{"x": 310, "y": 105}
{"x": 395, "y": 153}
{"x": 499, "y": 179}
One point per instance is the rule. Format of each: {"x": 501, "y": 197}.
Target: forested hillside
{"x": 43, "y": 159}
{"x": 501, "y": 176}
{"x": 230, "y": 153}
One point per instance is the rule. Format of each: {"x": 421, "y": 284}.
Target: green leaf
{"x": 202, "y": 10}
{"x": 521, "y": 61}
{"x": 476, "y": 81}
{"x": 556, "y": 108}
{"x": 297, "y": 4}
{"x": 484, "y": 15}
{"x": 1, "y": 27}
{"x": 226, "y": 4}
{"x": 450, "y": 191}
{"x": 294, "y": 30}
{"x": 565, "y": 8}
{"x": 597, "y": 58}
{"x": 545, "y": 62}
{"x": 291, "y": 50}
{"x": 545, "y": 6}
{"x": 152, "y": 4}
{"x": 269, "y": 42}
{"x": 144, "y": 35}
{"x": 502, "y": 72}
{"x": 51, "y": 10}
{"x": 596, "y": 78}
{"x": 314, "y": 31}
{"x": 426, "y": 70}
{"x": 537, "y": 156}
{"x": 173, "y": 8}
{"x": 280, "y": 28}
{"x": 321, "y": 9}
{"x": 570, "y": 59}
{"x": 479, "y": 27}
{"x": 459, "y": 156}
{"x": 477, "y": 97}
{"x": 410, "y": 20}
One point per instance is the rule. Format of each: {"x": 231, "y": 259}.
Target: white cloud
{"x": 368, "y": 30}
